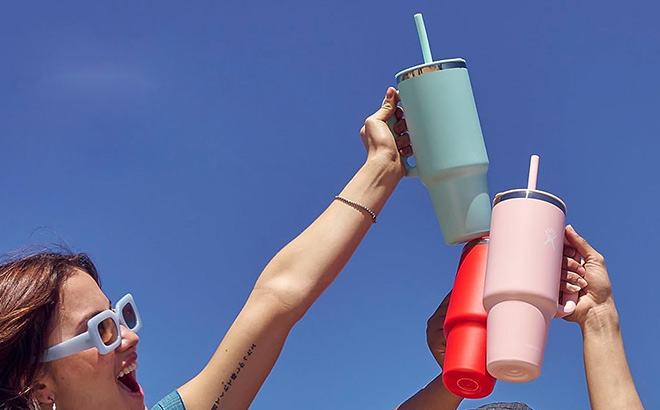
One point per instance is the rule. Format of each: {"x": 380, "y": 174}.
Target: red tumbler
{"x": 464, "y": 372}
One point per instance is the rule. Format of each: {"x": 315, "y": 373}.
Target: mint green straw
{"x": 423, "y": 39}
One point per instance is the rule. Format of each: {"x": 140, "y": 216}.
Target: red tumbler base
{"x": 464, "y": 372}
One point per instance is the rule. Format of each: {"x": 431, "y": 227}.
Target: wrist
{"x": 373, "y": 184}
{"x": 454, "y": 398}
{"x": 601, "y": 320}
{"x": 434, "y": 396}
{"x": 389, "y": 165}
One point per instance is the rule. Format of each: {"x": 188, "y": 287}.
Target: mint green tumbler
{"x": 449, "y": 149}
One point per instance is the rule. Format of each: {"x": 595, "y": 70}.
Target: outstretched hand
{"x": 377, "y": 137}
{"x": 596, "y": 289}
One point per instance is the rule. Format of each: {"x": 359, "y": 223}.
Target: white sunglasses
{"x": 103, "y": 331}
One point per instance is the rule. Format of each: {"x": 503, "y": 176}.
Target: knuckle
{"x": 369, "y": 122}
{"x": 599, "y": 259}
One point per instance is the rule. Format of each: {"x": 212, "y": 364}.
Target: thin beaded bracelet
{"x": 357, "y": 205}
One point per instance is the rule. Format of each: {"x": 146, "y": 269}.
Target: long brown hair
{"x": 29, "y": 294}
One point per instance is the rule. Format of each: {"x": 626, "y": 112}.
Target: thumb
{"x": 580, "y": 244}
{"x": 388, "y": 106}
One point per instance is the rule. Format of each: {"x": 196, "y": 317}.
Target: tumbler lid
{"x": 429, "y": 67}
{"x": 474, "y": 242}
{"x": 530, "y": 194}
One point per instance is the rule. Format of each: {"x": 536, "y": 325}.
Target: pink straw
{"x": 533, "y": 172}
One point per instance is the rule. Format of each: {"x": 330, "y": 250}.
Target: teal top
{"x": 170, "y": 402}
{"x": 173, "y": 402}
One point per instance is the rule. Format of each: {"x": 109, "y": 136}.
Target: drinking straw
{"x": 423, "y": 39}
{"x": 533, "y": 172}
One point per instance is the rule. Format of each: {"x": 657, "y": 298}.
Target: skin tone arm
{"x": 299, "y": 273}
{"x": 609, "y": 380}
{"x": 435, "y": 395}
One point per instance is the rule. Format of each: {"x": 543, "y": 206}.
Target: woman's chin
{"x": 133, "y": 391}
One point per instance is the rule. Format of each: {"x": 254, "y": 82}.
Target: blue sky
{"x": 182, "y": 145}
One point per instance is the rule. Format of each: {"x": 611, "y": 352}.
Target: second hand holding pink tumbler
{"x": 523, "y": 273}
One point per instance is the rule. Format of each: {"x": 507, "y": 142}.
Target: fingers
{"x": 435, "y": 336}
{"x": 374, "y": 127}
{"x": 571, "y": 263}
{"x": 388, "y": 107}
{"x": 437, "y": 319}
{"x": 399, "y": 113}
{"x": 568, "y": 287}
{"x": 573, "y": 281}
{"x": 571, "y": 252}
{"x": 386, "y": 110}
{"x": 401, "y": 127}
{"x": 572, "y": 271}
{"x": 403, "y": 145}
{"x": 582, "y": 247}
{"x": 402, "y": 137}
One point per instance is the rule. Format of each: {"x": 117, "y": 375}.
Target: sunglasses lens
{"x": 128, "y": 313}
{"x": 108, "y": 331}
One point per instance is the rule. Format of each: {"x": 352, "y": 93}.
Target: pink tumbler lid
{"x": 530, "y": 194}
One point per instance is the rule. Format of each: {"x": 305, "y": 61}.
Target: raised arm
{"x": 609, "y": 380}
{"x": 299, "y": 273}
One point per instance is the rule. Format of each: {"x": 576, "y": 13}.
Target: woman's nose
{"x": 129, "y": 338}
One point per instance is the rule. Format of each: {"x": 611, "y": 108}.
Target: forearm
{"x": 434, "y": 396}
{"x": 242, "y": 361}
{"x": 609, "y": 380}
{"x": 303, "y": 269}
{"x": 285, "y": 290}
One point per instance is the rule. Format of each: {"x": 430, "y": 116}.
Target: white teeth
{"x": 126, "y": 370}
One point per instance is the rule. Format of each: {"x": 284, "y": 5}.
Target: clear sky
{"x": 182, "y": 144}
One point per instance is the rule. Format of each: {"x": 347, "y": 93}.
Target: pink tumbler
{"x": 523, "y": 273}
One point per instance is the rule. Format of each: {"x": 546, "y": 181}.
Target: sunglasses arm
{"x": 74, "y": 345}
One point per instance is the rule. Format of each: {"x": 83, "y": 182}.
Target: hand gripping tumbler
{"x": 523, "y": 273}
{"x": 449, "y": 149}
{"x": 464, "y": 371}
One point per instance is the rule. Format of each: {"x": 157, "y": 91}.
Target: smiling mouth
{"x": 128, "y": 379}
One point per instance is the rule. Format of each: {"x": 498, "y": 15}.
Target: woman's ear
{"x": 44, "y": 394}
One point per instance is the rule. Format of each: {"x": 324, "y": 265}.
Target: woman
{"x": 609, "y": 381}
{"x": 62, "y": 346}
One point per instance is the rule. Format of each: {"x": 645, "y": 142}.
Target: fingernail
{"x": 583, "y": 283}
{"x": 390, "y": 92}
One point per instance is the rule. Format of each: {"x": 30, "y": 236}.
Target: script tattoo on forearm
{"x": 226, "y": 385}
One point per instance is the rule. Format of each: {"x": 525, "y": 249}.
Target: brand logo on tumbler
{"x": 550, "y": 235}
